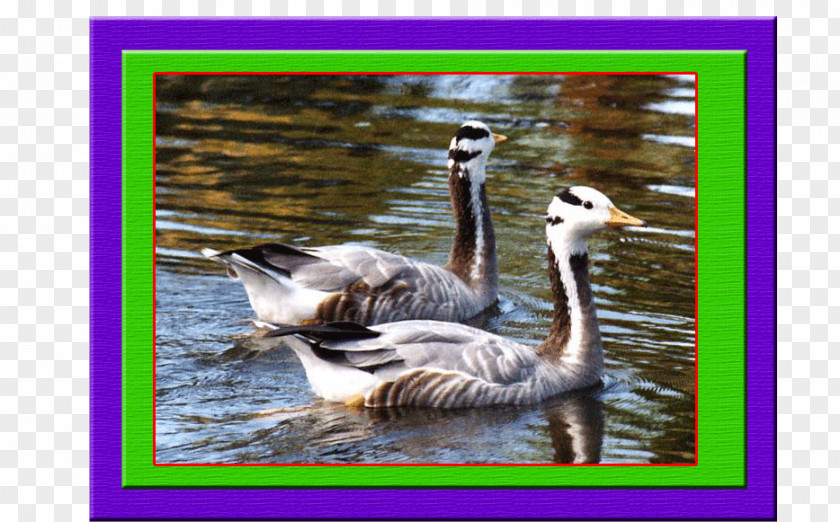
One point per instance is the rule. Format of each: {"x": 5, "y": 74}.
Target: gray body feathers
{"x": 289, "y": 285}
{"x": 426, "y": 363}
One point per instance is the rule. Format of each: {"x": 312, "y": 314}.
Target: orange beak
{"x": 622, "y": 219}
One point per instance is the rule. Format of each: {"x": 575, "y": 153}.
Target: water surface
{"x": 313, "y": 160}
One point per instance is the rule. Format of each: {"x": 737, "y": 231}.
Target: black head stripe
{"x": 472, "y": 133}
{"x": 567, "y": 197}
{"x": 462, "y": 156}
{"x": 553, "y": 220}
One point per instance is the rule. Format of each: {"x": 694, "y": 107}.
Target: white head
{"x": 576, "y": 213}
{"x": 470, "y": 148}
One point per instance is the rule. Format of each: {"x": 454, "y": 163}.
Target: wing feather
{"x": 355, "y": 283}
{"x": 442, "y": 346}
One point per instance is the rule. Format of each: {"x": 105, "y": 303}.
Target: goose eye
{"x": 587, "y": 205}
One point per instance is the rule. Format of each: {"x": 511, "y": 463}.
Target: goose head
{"x": 577, "y": 213}
{"x": 470, "y": 148}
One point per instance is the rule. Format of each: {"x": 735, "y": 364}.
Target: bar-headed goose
{"x": 448, "y": 365}
{"x": 300, "y": 285}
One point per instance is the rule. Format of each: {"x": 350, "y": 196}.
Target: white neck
{"x": 477, "y": 177}
{"x": 564, "y": 242}
{"x": 575, "y": 345}
{"x": 473, "y": 256}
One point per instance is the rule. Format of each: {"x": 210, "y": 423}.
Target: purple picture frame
{"x": 109, "y": 37}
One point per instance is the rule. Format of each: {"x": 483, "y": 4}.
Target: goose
{"x": 450, "y": 365}
{"x": 314, "y": 285}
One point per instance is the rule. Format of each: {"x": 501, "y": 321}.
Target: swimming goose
{"x": 450, "y": 365}
{"x": 300, "y": 285}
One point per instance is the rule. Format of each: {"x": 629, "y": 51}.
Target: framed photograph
{"x": 215, "y": 156}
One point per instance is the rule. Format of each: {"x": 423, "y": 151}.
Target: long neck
{"x": 473, "y": 256}
{"x": 574, "y": 339}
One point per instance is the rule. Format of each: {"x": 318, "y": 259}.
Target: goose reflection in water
{"x": 575, "y": 425}
{"x": 576, "y": 428}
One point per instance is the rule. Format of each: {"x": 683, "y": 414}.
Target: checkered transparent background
{"x": 44, "y": 196}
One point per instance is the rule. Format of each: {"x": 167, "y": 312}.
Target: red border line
{"x": 436, "y": 73}
{"x": 154, "y": 270}
{"x": 696, "y": 268}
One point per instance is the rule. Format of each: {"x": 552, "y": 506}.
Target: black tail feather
{"x": 276, "y": 256}
{"x": 334, "y": 331}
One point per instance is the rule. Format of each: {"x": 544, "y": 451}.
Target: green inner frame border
{"x": 721, "y": 235}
